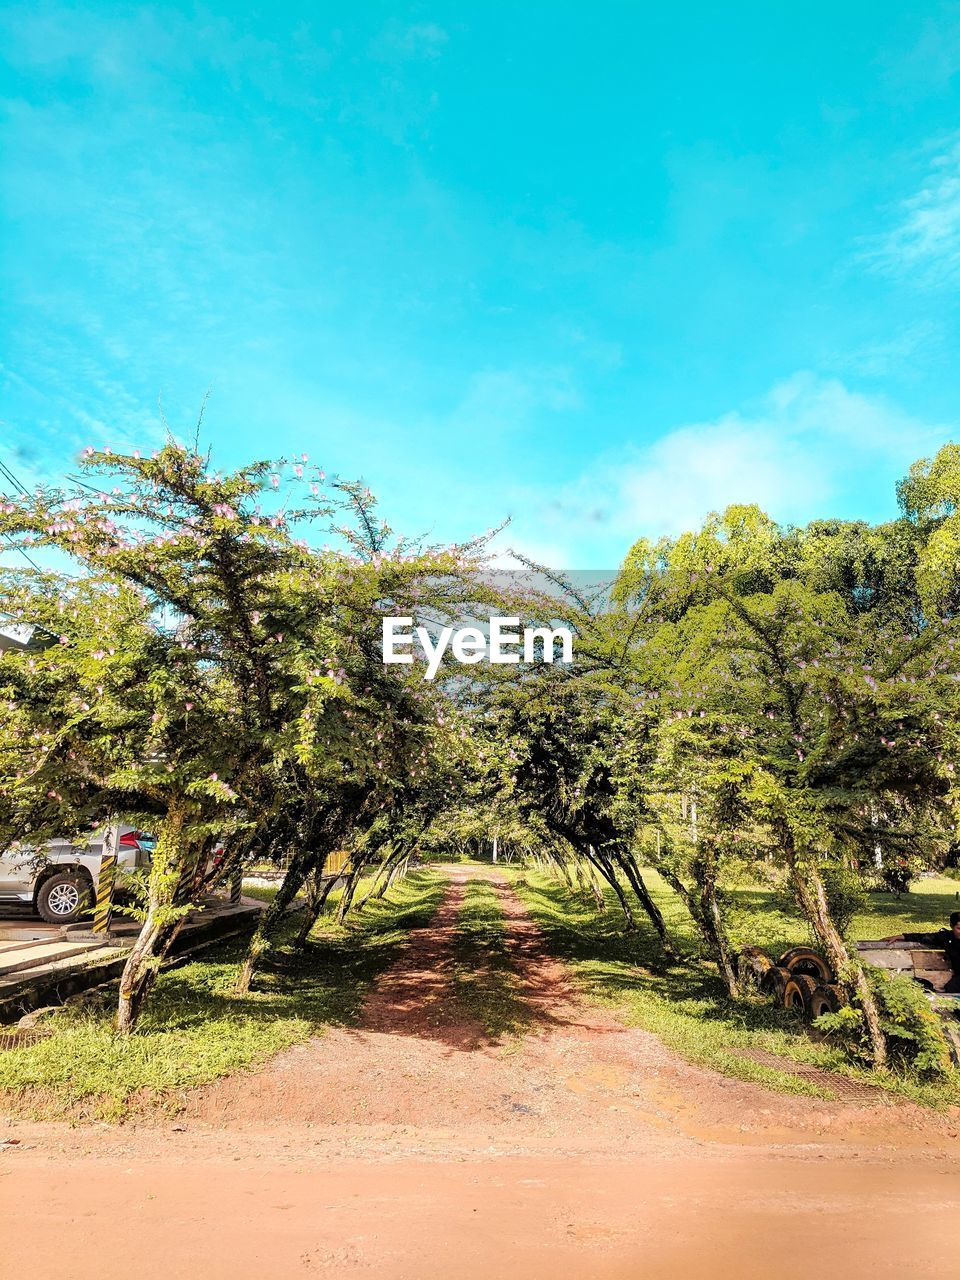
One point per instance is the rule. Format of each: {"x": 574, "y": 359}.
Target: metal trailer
{"x": 802, "y": 979}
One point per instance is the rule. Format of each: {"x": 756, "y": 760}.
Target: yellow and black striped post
{"x": 236, "y": 887}
{"x": 106, "y": 881}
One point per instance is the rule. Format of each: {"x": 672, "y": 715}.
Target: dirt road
{"x": 413, "y": 1148}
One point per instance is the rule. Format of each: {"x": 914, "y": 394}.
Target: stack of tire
{"x": 801, "y": 980}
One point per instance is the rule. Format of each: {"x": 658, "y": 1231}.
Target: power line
{"x": 32, "y": 563}
{"x": 12, "y": 479}
{"x": 8, "y": 474}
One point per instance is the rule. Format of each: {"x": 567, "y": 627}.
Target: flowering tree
{"x": 253, "y": 699}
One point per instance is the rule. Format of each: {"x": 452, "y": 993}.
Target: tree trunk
{"x": 383, "y": 877}
{"x": 169, "y": 866}
{"x": 397, "y": 873}
{"x": 582, "y": 879}
{"x": 704, "y": 910}
{"x": 346, "y": 900}
{"x": 608, "y": 871}
{"x": 561, "y": 865}
{"x": 596, "y": 889}
{"x": 316, "y": 901}
{"x": 705, "y": 874}
{"x": 813, "y": 899}
{"x": 301, "y": 864}
{"x": 632, "y": 872}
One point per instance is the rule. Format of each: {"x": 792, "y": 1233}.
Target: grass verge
{"x": 484, "y": 982}
{"x": 195, "y": 1029}
{"x": 686, "y": 1005}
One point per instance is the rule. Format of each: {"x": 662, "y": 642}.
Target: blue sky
{"x": 600, "y": 268}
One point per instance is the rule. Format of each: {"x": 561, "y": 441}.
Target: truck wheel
{"x": 798, "y": 993}
{"x": 806, "y": 960}
{"x": 827, "y": 997}
{"x": 774, "y": 982}
{"x": 63, "y": 897}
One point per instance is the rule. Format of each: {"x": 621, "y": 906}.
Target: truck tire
{"x": 774, "y": 982}
{"x": 827, "y": 997}
{"x": 798, "y": 993}
{"x": 63, "y": 897}
{"x": 806, "y": 960}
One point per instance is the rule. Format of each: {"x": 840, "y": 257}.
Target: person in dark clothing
{"x": 949, "y": 939}
{"x": 951, "y": 949}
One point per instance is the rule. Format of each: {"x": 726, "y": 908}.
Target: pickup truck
{"x": 58, "y": 879}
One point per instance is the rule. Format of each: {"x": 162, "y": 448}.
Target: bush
{"x": 846, "y": 896}
{"x": 915, "y": 1038}
{"x": 897, "y": 873}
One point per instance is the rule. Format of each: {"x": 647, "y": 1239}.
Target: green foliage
{"x": 846, "y": 895}
{"x": 749, "y": 703}
{"x": 930, "y": 495}
{"x": 913, "y": 1029}
{"x": 211, "y": 675}
{"x": 899, "y": 870}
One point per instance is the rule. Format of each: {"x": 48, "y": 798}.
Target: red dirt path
{"x": 413, "y": 1147}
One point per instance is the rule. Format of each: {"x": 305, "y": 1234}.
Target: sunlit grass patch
{"x": 486, "y": 987}
{"x": 686, "y": 1005}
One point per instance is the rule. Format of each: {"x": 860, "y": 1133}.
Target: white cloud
{"x": 925, "y": 242}
{"x": 508, "y": 545}
{"x": 910, "y": 345}
{"x": 812, "y": 447}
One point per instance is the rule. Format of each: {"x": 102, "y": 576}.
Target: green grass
{"x": 485, "y": 985}
{"x": 685, "y": 1004}
{"x": 758, "y": 914}
{"x": 195, "y": 1030}
{"x": 262, "y": 892}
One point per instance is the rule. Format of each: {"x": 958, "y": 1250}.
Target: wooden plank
{"x": 937, "y": 978}
{"x": 930, "y": 960}
{"x": 33, "y": 957}
{"x": 888, "y": 958}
